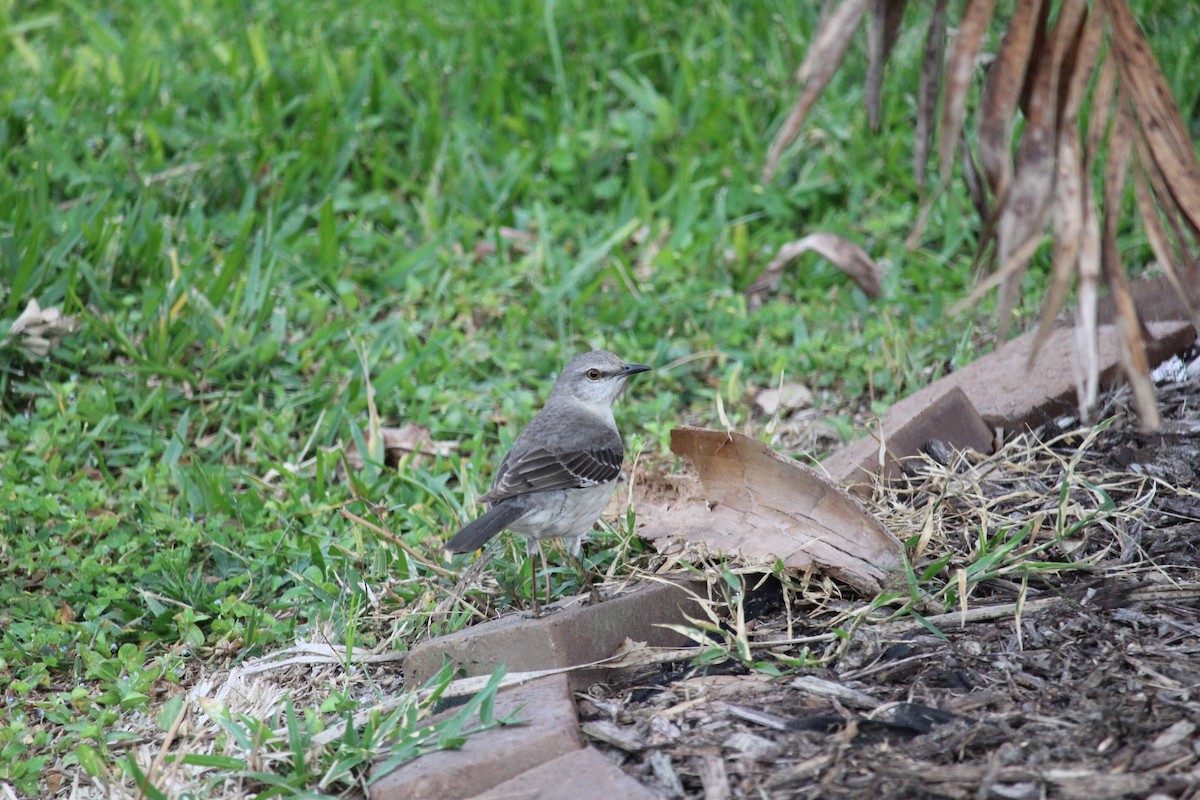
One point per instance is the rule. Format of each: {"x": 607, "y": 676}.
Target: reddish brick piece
{"x": 948, "y": 416}
{"x": 581, "y": 775}
{"x": 1156, "y": 301}
{"x": 563, "y": 637}
{"x": 489, "y": 758}
{"x": 1007, "y": 395}
{"x": 1003, "y": 391}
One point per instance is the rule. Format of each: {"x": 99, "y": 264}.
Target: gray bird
{"x": 562, "y": 469}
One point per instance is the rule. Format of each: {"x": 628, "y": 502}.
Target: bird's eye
{"x": 593, "y": 374}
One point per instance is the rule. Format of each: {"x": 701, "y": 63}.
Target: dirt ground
{"x": 1074, "y": 674}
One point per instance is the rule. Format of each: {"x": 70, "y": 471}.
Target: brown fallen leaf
{"x": 1184, "y": 279}
{"x": 38, "y": 329}
{"x": 848, "y": 256}
{"x": 1027, "y": 203}
{"x": 758, "y": 504}
{"x": 1133, "y": 354}
{"x": 825, "y": 53}
{"x": 883, "y": 27}
{"x": 1087, "y": 340}
{"x": 1002, "y": 91}
{"x": 1067, "y": 206}
{"x": 399, "y": 442}
{"x": 927, "y": 93}
{"x": 785, "y": 398}
{"x": 1157, "y": 113}
{"x": 959, "y": 67}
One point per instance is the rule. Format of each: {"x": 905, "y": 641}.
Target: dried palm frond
{"x": 1054, "y": 60}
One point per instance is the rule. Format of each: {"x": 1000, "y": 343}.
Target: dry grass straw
{"x": 1056, "y": 487}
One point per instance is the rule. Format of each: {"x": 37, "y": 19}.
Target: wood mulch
{"x": 1074, "y": 672}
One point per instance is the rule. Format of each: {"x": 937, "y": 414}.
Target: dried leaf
{"x": 1120, "y": 144}
{"x": 1087, "y": 342}
{"x": 1156, "y": 111}
{"x": 1068, "y": 230}
{"x": 760, "y": 505}
{"x": 1040, "y": 34}
{"x": 1129, "y": 328}
{"x": 1101, "y": 112}
{"x": 848, "y": 256}
{"x": 883, "y": 26}
{"x": 1078, "y": 67}
{"x": 961, "y": 65}
{"x": 1026, "y": 205}
{"x": 1129, "y": 336}
{"x": 1183, "y": 278}
{"x": 825, "y": 54}
{"x": 1077, "y": 57}
{"x": 975, "y": 189}
{"x": 37, "y": 330}
{"x": 1068, "y": 211}
{"x": 1159, "y": 189}
{"x": 786, "y": 397}
{"x": 1002, "y": 91}
{"x": 399, "y": 442}
{"x": 927, "y": 93}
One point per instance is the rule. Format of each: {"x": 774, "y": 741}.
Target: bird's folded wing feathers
{"x": 541, "y": 470}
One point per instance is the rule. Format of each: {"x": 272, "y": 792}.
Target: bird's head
{"x": 595, "y": 377}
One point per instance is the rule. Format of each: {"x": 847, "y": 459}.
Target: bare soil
{"x": 1077, "y": 676}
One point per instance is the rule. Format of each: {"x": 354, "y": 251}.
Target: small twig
{"x": 989, "y": 613}
{"x": 403, "y": 545}
{"x": 166, "y": 745}
{"x": 318, "y": 654}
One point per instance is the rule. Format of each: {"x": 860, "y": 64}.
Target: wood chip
{"x": 851, "y": 698}
{"x": 619, "y": 736}
{"x": 711, "y": 768}
{"x": 664, "y": 772}
{"x": 1181, "y": 731}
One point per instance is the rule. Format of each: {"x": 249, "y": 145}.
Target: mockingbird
{"x": 562, "y": 469}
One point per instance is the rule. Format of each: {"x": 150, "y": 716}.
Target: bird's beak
{"x": 632, "y": 369}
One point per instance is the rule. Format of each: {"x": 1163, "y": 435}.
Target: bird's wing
{"x": 542, "y": 469}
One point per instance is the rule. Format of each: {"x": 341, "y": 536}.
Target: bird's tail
{"x": 487, "y": 525}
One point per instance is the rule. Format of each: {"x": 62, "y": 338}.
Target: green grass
{"x": 254, "y": 208}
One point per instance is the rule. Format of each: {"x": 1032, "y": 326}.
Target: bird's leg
{"x": 545, "y": 571}
{"x": 533, "y": 544}
{"x": 573, "y": 548}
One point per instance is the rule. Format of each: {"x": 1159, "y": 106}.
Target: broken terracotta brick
{"x": 562, "y": 637}
{"x": 1005, "y": 394}
{"x": 587, "y": 772}
{"x": 550, "y": 729}
{"x": 949, "y": 416}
